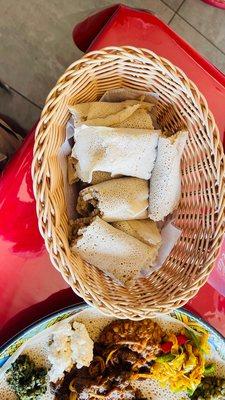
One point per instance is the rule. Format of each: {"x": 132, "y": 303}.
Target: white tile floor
{"x": 36, "y": 43}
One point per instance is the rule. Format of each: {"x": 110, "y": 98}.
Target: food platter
{"x": 216, "y": 341}
{"x": 14, "y": 343}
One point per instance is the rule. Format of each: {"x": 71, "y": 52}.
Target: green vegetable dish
{"x": 27, "y": 381}
{"x": 90, "y": 356}
{"x": 210, "y": 388}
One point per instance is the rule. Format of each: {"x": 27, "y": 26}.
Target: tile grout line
{"x": 23, "y": 96}
{"x": 175, "y": 12}
{"x": 26, "y": 98}
{"x": 169, "y": 22}
{"x": 163, "y": 1}
{"x": 171, "y": 19}
{"x": 214, "y": 45}
{"x": 180, "y": 6}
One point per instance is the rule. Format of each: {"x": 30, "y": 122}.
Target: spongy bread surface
{"x": 112, "y": 250}
{"x": 95, "y": 322}
{"x": 117, "y": 199}
{"x": 165, "y": 182}
{"x": 120, "y": 151}
{"x": 144, "y": 230}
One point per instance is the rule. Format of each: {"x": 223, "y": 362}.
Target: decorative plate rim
{"x": 38, "y": 322}
{"x": 79, "y": 307}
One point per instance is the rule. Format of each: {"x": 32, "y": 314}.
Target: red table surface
{"x": 30, "y": 287}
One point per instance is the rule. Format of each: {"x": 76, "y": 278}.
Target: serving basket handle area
{"x": 201, "y": 212}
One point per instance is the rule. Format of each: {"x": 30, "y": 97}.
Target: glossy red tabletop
{"x": 30, "y": 287}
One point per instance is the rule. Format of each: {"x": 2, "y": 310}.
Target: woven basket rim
{"x": 80, "y": 287}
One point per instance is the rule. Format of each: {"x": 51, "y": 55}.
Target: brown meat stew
{"x": 123, "y": 347}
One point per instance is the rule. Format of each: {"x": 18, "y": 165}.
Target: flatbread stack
{"x": 130, "y": 177}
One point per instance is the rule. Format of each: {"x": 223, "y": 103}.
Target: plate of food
{"x": 128, "y": 178}
{"x": 78, "y": 353}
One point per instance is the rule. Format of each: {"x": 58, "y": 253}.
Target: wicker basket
{"x": 201, "y": 213}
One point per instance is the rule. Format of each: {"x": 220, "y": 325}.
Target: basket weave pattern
{"x": 201, "y": 213}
